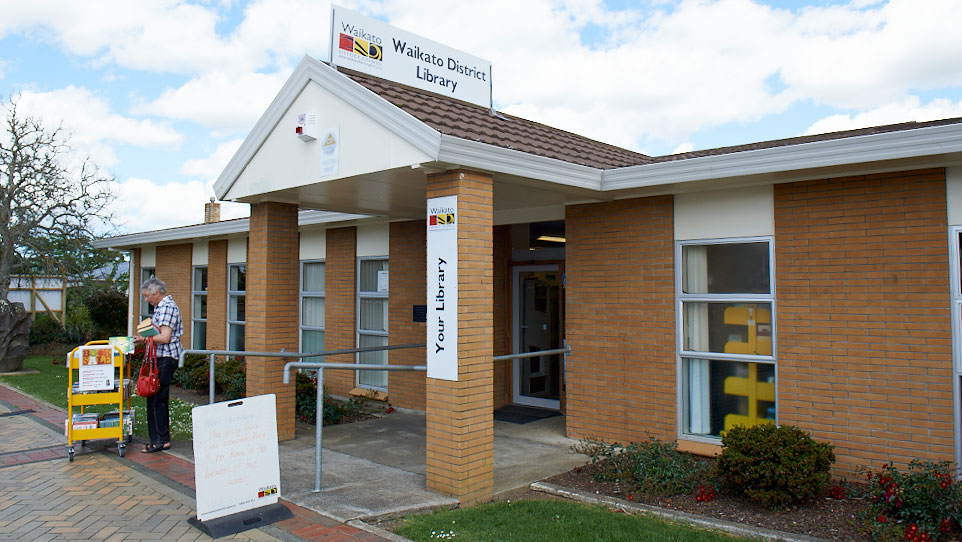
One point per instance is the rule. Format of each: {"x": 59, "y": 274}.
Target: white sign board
{"x": 236, "y": 464}
{"x": 442, "y": 265}
{"x": 379, "y": 49}
{"x": 96, "y": 369}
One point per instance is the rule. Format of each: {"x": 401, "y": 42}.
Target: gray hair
{"x": 154, "y": 285}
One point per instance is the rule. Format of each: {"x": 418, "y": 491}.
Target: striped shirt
{"x": 167, "y": 313}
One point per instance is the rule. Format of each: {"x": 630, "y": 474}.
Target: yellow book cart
{"x": 100, "y": 380}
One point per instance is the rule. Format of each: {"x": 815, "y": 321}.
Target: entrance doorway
{"x": 538, "y": 324}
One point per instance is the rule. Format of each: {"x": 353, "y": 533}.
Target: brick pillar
{"x": 339, "y": 306}
{"x": 272, "y": 290}
{"x": 460, "y": 422}
{"x": 217, "y": 295}
{"x": 173, "y": 267}
{"x": 407, "y": 260}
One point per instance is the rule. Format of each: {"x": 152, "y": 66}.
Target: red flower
{"x": 946, "y": 525}
{"x": 881, "y": 519}
{"x": 631, "y": 497}
{"x": 836, "y": 492}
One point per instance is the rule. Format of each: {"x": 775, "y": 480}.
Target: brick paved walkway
{"x": 101, "y": 496}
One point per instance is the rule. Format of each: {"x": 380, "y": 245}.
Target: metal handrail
{"x": 565, "y": 350}
{"x": 282, "y": 354}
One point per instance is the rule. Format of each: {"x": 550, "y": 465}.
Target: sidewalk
{"x": 101, "y": 496}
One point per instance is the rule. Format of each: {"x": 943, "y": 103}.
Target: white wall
{"x": 237, "y": 250}
{"x": 734, "y": 212}
{"x": 313, "y": 245}
{"x": 200, "y": 254}
{"x": 953, "y": 194}
{"x": 373, "y": 240}
{"x": 148, "y": 257}
{"x": 284, "y": 161}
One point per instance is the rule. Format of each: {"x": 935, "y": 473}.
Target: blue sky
{"x": 161, "y": 93}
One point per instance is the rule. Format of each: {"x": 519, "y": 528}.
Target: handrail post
{"x": 319, "y": 430}
{"x": 211, "y": 378}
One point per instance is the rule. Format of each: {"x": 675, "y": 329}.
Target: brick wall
{"x": 863, "y": 323}
{"x": 502, "y": 314}
{"x": 407, "y": 288}
{"x": 173, "y": 267}
{"x": 217, "y": 295}
{"x": 340, "y": 303}
{"x": 620, "y": 320}
{"x": 272, "y": 304}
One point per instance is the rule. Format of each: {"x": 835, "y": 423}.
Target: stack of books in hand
{"x": 147, "y": 328}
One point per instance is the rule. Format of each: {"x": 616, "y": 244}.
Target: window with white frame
{"x": 372, "y": 330}
{"x": 726, "y": 342}
{"x": 146, "y": 309}
{"x": 198, "y": 314}
{"x": 236, "y": 305}
{"x": 312, "y": 307}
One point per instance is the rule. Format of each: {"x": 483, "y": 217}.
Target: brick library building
{"x": 811, "y": 281}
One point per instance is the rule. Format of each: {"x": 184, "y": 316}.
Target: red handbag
{"x": 148, "y": 381}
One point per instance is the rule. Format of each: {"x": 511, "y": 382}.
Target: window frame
{"x": 682, "y": 298}
{"x": 194, "y": 294}
{"x": 236, "y": 293}
{"x": 359, "y": 296}
{"x": 145, "y": 274}
{"x": 302, "y": 293}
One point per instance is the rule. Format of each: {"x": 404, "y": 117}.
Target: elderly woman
{"x": 167, "y": 318}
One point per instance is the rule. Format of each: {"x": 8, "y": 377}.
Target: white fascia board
{"x": 213, "y": 229}
{"x": 419, "y": 135}
{"x": 464, "y": 152}
{"x": 852, "y": 150}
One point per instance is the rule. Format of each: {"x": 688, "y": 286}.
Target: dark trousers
{"x": 158, "y": 406}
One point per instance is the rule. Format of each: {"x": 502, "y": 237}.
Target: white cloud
{"x": 220, "y": 101}
{"x": 211, "y": 167}
{"x": 93, "y": 128}
{"x": 906, "y": 110}
{"x": 684, "y": 147}
{"x": 162, "y": 36}
{"x": 144, "y": 205}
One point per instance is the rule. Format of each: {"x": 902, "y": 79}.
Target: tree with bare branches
{"x": 50, "y": 200}
{"x": 49, "y": 197}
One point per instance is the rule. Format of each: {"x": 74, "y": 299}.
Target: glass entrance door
{"x": 538, "y": 324}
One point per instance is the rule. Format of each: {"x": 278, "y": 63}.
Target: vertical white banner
{"x": 442, "y": 265}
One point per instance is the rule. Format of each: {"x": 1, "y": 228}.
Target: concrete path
{"x": 101, "y": 496}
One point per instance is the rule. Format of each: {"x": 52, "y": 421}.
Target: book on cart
{"x": 147, "y": 328}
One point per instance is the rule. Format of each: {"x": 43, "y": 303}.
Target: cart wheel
{"x": 121, "y": 448}
{"x": 70, "y": 453}
{"x": 127, "y": 439}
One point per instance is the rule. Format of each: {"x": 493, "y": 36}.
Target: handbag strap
{"x": 150, "y": 351}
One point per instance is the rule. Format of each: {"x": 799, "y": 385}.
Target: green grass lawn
{"x": 555, "y": 521}
{"x": 50, "y": 385}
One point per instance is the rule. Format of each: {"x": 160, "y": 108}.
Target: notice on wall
{"x": 442, "y": 265}
{"x": 379, "y": 49}
{"x": 330, "y": 145}
{"x": 236, "y": 464}
{"x": 96, "y": 368}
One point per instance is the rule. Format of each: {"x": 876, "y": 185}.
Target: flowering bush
{"x": 922, "y": 504}
{"x": 774, "y": 465}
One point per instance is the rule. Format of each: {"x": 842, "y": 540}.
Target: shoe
{"x": 154, "y": 448}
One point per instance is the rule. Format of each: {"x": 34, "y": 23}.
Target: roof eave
{"x": 913, "y": 143}
{"x": 484, "y": 156}
{"x": 420, "y": 135}
{"x": 213, "y": 229}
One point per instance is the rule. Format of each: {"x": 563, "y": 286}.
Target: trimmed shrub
{"x": 108, "y": 312}
{"x": 774, "y": 466}
{"x": 652, "y": 467}
{"x": 305, "y": 402}
{"x": 46, "y": 330}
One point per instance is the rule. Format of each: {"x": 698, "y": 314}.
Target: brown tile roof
{"x": 808, "y": 139}
{"x": 476, "y": 123}
{"x": 469, "y": 121}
